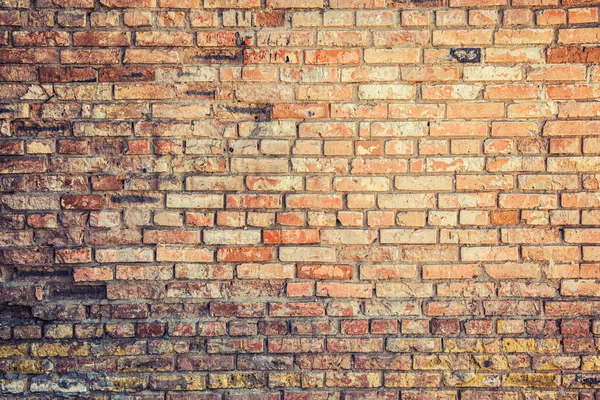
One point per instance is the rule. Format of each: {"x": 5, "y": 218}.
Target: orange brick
{"x": 551, "y": 17}
{"x": 475, "y": 111}
{"x": 332, "y": 57}
{"x": 516, "y": 17}
{"x": 583, "y": 15}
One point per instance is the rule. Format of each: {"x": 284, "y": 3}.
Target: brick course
{"x": 299, "y": 199}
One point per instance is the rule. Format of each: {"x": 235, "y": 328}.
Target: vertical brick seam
{"x": 299, "y": 199}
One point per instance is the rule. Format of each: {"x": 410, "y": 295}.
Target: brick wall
{"x": 311, "y": 199}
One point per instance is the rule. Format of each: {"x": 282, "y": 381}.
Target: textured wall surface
{"x": 300, "y": 199}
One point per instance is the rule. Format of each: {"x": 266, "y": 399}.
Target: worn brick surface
{"x": 300, "y": 199}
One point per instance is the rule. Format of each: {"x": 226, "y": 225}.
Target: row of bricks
{"x": 334, "y": 4}
{"x": 341, "y": 57}
{"x": 199, "y": 112}
{"x": 453, "y": 299}
{"x": 309, "y": 166}
{"x": 274, "y": 147}
{"x": 397, "y": 201}
{"x": 405, "y": 272}
{"x": 449, "y": 300}
{"x": 353, "y": 184}
{"x": 524, "y": 17}
{"x": 251, "y": 4}
{"x": 276, "y": 166}
{"x": 454, "y": 362}
{"x": 428, "y": 107}
{"x": 442, "y": 306}
{"x": 307, "y": 254}
{"x": 284, "y": 128}
{"x": 278, "y": 380}
{"x": 211, "y": 138}
{"x": 399, "y": 139}
{"x": 59, "y": 311}
{"x": 155, "y": 329}
{"x": 322, "y": 57}
{"x": 195, "y": 78}
{"x": 412, "y": 219}
{"x": 213, "y": 167}
{"x": 292, "y": 254}
{"x": 135, "y": 218}
{"x": 585, "y": 345}
{"x": 280, "y": 137}
{"x": 387, "y": 394}
{"x": 330, "y": 394}
{"x": 324, "y": 38}
{"x": 334, "y": 237}
{"x": 198, "y": 363}
{"x": 498, "y": 105}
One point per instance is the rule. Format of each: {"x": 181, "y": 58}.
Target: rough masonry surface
{"x": 299, "y": 199}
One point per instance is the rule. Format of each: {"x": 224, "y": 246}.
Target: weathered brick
{"x": 291, "y": 236}
{"x": 332, "y": 57}
{"x": 244, "y": 254}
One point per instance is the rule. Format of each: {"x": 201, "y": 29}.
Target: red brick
{"x": 244, "y": 254}
{"x": 93, "y": 274}
{"x": 100, "y": 39}
{"x": 126, "y": 74}
{"x": 69, "y": 74}
{"x": 232, "y": 3}
{"x": 82, "y": 202}
{"x": 270, "y": 19}
{"x": 128, "y": 3}
{"x": 291, "y": 236}
{"x": 296, "y": 309}
{"x": 90, "y": 57}
{"x": 328, "y": 272}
